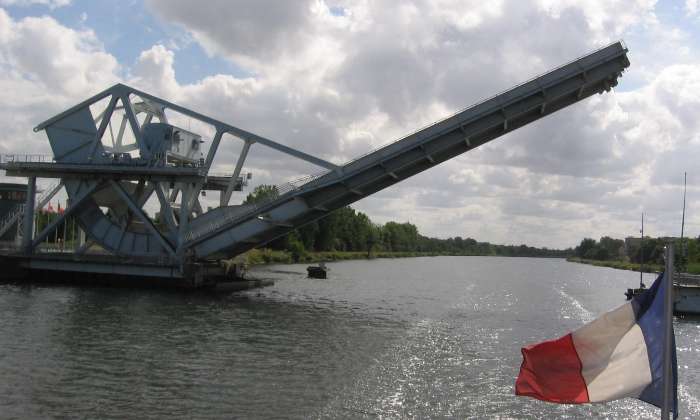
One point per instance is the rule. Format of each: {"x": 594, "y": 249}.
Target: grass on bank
{"x": 269, "y": 256}
{"x": 691, "y": 268}
{"x": 624, "y": 265}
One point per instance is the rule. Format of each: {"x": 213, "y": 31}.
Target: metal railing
{"x": 283, "y": 191}
{"x": 355, "y": 159}
{"x": 217, "y": 223}
{"x": 11, "y": 218}
{"x": 46, "y": 195}
{"x": 10, "y": 245}
{"x": 289, "y": 188}
{"x": 686, "y": 279}
{"x": 25, "y": 158}
{"x": 120, "y": 159}
{"x": 15, "y": 216}
{"x": 220, "y": 174}
{"x": 44, "y": 247}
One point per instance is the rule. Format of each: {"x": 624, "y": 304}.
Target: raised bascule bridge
{"x": 117, "y": 151}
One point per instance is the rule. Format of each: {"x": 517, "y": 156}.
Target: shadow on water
{"x": 299, "y": 273}
{"x": 687, "y": 318}
{"x": 101, "y": 350}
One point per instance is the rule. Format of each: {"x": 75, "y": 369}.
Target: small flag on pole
{"x": 618, "y": 355}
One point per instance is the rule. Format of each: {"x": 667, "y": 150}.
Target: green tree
{"x": 586, "y": 248}
{"x": 308, "y": 234}
{"x": 400, "y": 236}
{"x": 692, "y": 250}
{"x": 262, "y": 193}
{"x": 296, "y": 248}
{"x": 349, "y": 230}
{"x": 612, "y": 247}
{"x": 652, "y": 251}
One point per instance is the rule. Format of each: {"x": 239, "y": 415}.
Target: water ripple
{"x": 414, "y": 338}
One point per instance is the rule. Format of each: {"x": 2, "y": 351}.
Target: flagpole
{"x": 641, "y": 255}
{"x": 682, "y": 251}
{"x": 668, "y": 334}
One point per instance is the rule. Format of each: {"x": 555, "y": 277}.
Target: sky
{"x": 338, "y": 78}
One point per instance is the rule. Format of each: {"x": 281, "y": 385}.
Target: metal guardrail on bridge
{"x": 10, "y": 219}
{"x": 25, "y": 158}
{"x": 16, "y": 215}
{"x": 594, "y": 73}
{"x": 283, "y": 191}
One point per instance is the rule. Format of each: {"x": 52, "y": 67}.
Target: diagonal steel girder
{"x": 594, "y": 73}
{"x": 72, "y": 208}
{"x": 142, "y": 216}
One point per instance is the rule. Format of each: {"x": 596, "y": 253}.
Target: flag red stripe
{"x": 551, "y": 371}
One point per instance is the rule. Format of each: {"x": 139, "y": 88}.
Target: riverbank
{"x": 269, "y": 256}
{"x": 624, "y": 265}
{"x": 691, "y": 268}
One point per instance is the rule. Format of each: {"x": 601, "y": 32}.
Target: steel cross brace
{"x": 68, "y": 212}
{"x": 140, "y": 214}
{"x": 123, "y": 92}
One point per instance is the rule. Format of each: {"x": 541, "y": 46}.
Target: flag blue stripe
{"x": 649, "y": 312}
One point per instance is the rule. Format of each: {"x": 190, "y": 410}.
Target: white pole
{"x": 641, "y": 255}
{"x": 65, "y": 229}
{"x": 668, "y": 334}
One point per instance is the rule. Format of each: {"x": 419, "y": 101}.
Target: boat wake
{"x": 575, "y": 308}
{"x": 690, "y": 400}
{"x": 441, "y": 367}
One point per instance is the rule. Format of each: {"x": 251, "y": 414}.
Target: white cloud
{"x": 154, "y": 71}
{"x": 339, "y": 84}
{"x": 52, "y": 4}
{"x": 63, "y": 60}
{"x": 45, "y": 67}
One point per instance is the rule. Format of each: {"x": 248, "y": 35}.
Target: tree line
{"x": 349, "y": 230}
{"x": 647, "y": 251}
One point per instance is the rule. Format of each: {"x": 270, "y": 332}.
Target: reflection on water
{"x": 422, "y": 337}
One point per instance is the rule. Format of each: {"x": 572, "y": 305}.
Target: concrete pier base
{"x": 67, "y": 268}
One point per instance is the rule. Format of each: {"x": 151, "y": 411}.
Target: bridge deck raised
{"x": 594, "y": 73}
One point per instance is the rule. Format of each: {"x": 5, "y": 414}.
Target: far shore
{"x": 269, "y": 256}
{"x": 620, "y": 265}
{"x": 266, "y": 256}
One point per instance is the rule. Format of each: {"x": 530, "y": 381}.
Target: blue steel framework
{"x": 109, "y": 177}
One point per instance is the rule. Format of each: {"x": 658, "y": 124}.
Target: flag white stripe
{"x": 613, "y": 355}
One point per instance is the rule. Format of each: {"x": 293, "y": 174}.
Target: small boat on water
{"x": 319, "y": 271}
{"x": 686, "y": 287}
{"x": 686, "y": 294}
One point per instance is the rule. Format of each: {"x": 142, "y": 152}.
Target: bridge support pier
{"x": 28, "y": 222}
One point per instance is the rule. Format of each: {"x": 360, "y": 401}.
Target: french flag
{"x": 617, "y": 355}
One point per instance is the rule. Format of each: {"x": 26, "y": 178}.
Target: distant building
{"x": 12, "y": 196}
{"x": 631, "y": 244}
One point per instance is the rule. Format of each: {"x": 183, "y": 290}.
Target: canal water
{"x": 407, "y": 338}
